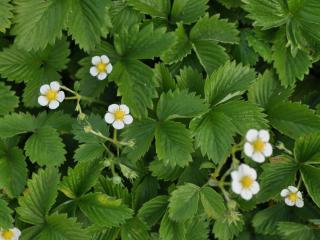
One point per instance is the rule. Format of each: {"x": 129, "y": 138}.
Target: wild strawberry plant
{"x": 159, "y": 119}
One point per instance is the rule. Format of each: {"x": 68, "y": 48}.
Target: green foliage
{"x": 5, "y": 213}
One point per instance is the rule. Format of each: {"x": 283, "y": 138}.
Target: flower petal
{"x": 102, "y": 76}
{"x": 55, "y": 86}
{"x": 236, "y": 187}
{"x": 299, "y": 203}
{"x": 118, "y": 124}
{"x": 293, "y": 189}
{"x": 235, "y": 175}
{"x": 60, "y": 96}
{"x": 285, "y": 192}
{"x": 288, "y": 202}
{"x": 109, "y": 117}
{"x": 248, "y": 149}
{"x": 95, "y": 60}
{"x": 299, "y": 194}
{"x": 54, "y": 104}
{"x": 128, "y": 119}
{"x": 44, "y": 89}
{"x": 113, "y": 107}
{"x": 43, "y": 101}
{"x": 252, "y": 173}
{"x": 94, "y": 71}
{"x": 104, "y": 59}
{"x": 17, "y": 232}
{"x": 255, "y": 188}
{"x": 258, "y": 157}
{"x": 267, "y": 150}
{"x": 252, "y": 135}
{"x": 264, "y": 135}
{"x": 109, "y": 68}
{"x": 244, "y": 169}
{"x": 124, "y": 108}
{"x": 246, "y": 194}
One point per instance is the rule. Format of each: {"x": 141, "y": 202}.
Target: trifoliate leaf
{"x": 81, "y": 178}
{"x": 89, "y": 151}
{"x": 307, "y": 149}
{"x": 213, "y": 28}
{"x": 153, "y": 210}
{"x": 86, "y": 20}
{"x": 171, "y": 230}
{"x": 293, "y": 119}
{"x": 39, "y": 23}
{"x": 188, "y": 11}
{"x": 13, "y": 170}
{"x": 6, "y": 14}
{"x": 212, "y": 202}
{"x": 135, "y": 229}
{"x": 213, "y": 133}
{"x": 228, "y": 81}
{"x": 103, "y": 210}
{"x": 8, "y": 100}
{"x": 295, "y": 231}
{"x": 136, "y": 85}
{"x": 190, "y": 79}
{"x": 183, "y": 203}
{"x": 6, "y": 219}
{"x": 311, "y": 179}
{"x": 141, "y": 132}
{"x": 16, "y": 123}
{"x": 46, "y": 147}
{"x": 40, "y": 196}
{"x": 180, "y": 104}
{"x": 155, "y": 8}
{"x": 173, "y": 143}
{"x": 210, "y": 54}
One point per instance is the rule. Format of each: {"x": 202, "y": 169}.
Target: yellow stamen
{"x": 258, "y": 145}
{"x": 293, "y": 197}
{"x": 101, "y": 67}
{"x": 51, "y": 95}
{"x": 246, "y": 181}
{"x": 7, "y": 235}
{"x": 119, "y": 115}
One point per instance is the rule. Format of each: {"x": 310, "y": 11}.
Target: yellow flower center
{"x": 51, "y": 95}
{"x": 101, "y": 67}
{"x": 246, "y": 181}
{"x": 119, "y": 115}
{"x": 293, "y": 197}
{"x": 7, "y": 235}
{"x": 258, "y": 145}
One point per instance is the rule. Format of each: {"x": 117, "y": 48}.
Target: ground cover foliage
{"x": 198, "y": 77}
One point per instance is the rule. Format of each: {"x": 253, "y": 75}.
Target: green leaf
{"x": 103, "y": 210}
{"x": 295, "y": 231}
{"x": 197, "y": 229}
{"x": 153, "y": 210}
{"x": 290, "y": 68}
{"x": 311, "y": 179}
{"x": 266, "y": 14}
{"x": 6, "y": 14}
{"x": 165, "y": 172}
{"x": 225, "y": 230}
{"x": 210, "y": 54}
{"x": 145, "y": 188}
{"x": 142, "y": 43}
{"x": 135, "y": 229}
{"x": 6, "y": 219}
{"x": 293, "y": 119}
{"x": 274, "y": 178}
{"x": 181, "y": 47}
{"x": 183, "y": 203}
{"x": 307, "y": 148}
{"x": 164, "y": 77}
{"x": 57, "y": 119}
{"x": 13, "y": 170}
{"x": 180, "y": 104}
{"x": 8, "y": 100}
{"x": 215, "y": 29}
{"x": 41, "y": 195}
{"x": 86, "y": 26}
{"x": 81, "y": 178}
{"x": 135, "y": 85}
{"x": 188, "y": 11}
{"x": 46, "y": 147}
{"x": 190, "y": 79}
{"x": 212, "y": 203}
{"x": 57, "y": 226}
{"x": 260, "y": 46}
{"x": 244, "y": 115}
{"x": 39, "y": 23}
{"x": 155, "y": 8}
{"x": 16, "y": 123}
{"x": 214, "y": 135}
{"x": 89, "y": 152}
{"x": 228, "y": 81}
{"x": 171, "y": 230}
{"x": 173, "y": 143}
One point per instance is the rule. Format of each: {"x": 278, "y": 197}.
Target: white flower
{"x": 10, "y": 234}
{"x": 51, "y": 95}
{"x": 257, "y": 146}
{"x": 244, "y": 182}
{"x": 292, "y": 197}
{"x": 102, "y": 67}
{"x": 118, "y": 116}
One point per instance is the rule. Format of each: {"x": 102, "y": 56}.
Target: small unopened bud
{"x": 116, "y": 180}
{"x": 232, "y": 205}
{"x": 212, "y": 182}
{"x": 81, "y": 116}
{"x": 87, "y": 129}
